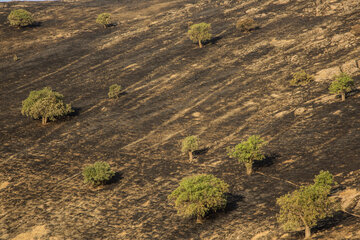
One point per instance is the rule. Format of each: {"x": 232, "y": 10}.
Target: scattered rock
{"x": 196, "y": 114}
{"x": 37, "y": 232}
{"x": 4, "y": 185}
{"x": 350, "y": 67}
{"x": 299, "y": 111}
{"x": 327, "y": 74}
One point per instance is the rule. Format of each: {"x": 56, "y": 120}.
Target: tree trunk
{"x": 307, "y": 232}
{"x": 248, "y": 168}
{"x": 200, "y": 44}
{"x": 44, "y": 120}
{"x": 199, "y": 219}
{"x": 342, "y": 96}
{"x": 190, "y": 156}
{"x": 307, "y": 228}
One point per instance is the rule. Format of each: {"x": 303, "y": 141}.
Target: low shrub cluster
{"x": 198, "y": 195}
{"x": 114, "y": 91}
{"x": 20, "y": 18}
{"x": 342, "y": 84}
{"x": 98, "y": 173}
{"x": 301, "y": 78}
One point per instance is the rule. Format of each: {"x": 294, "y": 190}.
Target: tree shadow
{"x": 331, "y": 222}
{"x": 76, "y": 112}
{"x": 266, "y": 162}
{"x": 115, "y": 179}
{"x": 201, "y": 151}
{"x": 213, "y": 40}
{"x": 232, "y": 202}
{"x": 34, "y": 25}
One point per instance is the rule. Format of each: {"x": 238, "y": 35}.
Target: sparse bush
{"x": 342, "y": 84}
{"x": 246, "y": 24}
{"x": 200, "y": 32}
{"x": 104, "y": 19}
{"x": 20, "y": 18}
{"x": 98, "y": 174}
{"x": 199, "y": 194}
{"x": 114, "y": 91}
{"x": 248, "y": 151}
{"x": 45, "y": 104}
{"x": 189, "y": 145}
{"x": 305, "y": 206}
{"x": 301, "y": 78}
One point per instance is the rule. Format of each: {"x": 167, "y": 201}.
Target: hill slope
{"x": 236, "y": 86}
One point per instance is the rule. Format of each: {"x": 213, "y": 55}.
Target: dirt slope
{"x": 236, "y": 86}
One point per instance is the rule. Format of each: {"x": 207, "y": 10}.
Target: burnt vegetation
{"x": 233, "y": 85}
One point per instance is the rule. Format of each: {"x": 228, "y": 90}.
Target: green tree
{"x": 189, "y": 145}
{"x": 200, "y": 32}
{"x": 199, "y": 194}
{"x": 342, "y": 84}
{"x": 45, "y": 104}
{"x": 20, "y": 18}
{"x": 248, "y": 151}
{"x": 114, "y": 91}
{"x": 98, "y": 173}
{"x": 305, "y": 206}
{"x": 104, "y": 19}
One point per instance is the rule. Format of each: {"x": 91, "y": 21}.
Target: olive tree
{"x": 45, "y": 104}
{"x": 199, "y": 194}
{"x": 305, "y": 206}
{"x": 20, "y": 18}
{"x": 199, "y": 33}
{"x": 342, "y": 84}
{"x": 189, "y": 145}
{"x": 248, "y": 151}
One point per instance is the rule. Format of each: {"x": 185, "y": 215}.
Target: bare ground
{"x": 236, "y": 86}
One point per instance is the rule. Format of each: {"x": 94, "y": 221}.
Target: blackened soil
{"x": 236, "y": 86}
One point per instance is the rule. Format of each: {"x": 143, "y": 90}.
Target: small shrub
{"x": 200, "y": 32}
{"x": 45, "y": 104}
{"x": 248, "y": 151}
{"x": 104, "y": 19}
{"x": 199, "y": 194}
{"x": 342, "y": 84}
{"x": 301, "y": 78}
{"x": 305, "y": 206}
{"x": 20, "y": 18}
{"x": 246, "y": 24}
{"x": 189, "y": 145}
{"x": 98, "y": 174}
{"x": 114, "y": 91}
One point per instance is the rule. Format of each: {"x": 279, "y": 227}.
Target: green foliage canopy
{"x": 190, "y": 144}
{"x": 114, "y": 91}
{"x": 305, "y": 206}
{"x": 200, "y": 32}
{"x": 98, "y": 173}
{"x": 248, "y": 151}
{"x": 342, "y": 84}
{"x": 20, "y": 18}
{"x": 45, "y": 104}
{"x": 104, "y": 19}
{"x": 301, "y": 78}
{"x": 199, "y": 194}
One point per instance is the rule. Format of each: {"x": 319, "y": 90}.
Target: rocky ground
{"x": 236, "y": 86}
